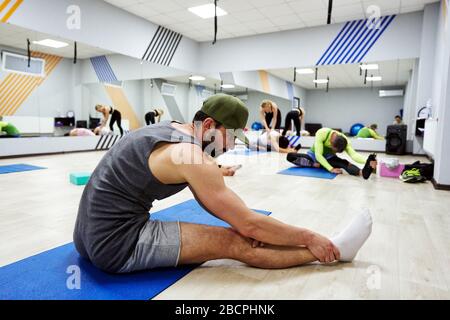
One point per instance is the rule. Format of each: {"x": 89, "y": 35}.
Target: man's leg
{"x": 337, "y": 162}
{"x": 201, "y": 243}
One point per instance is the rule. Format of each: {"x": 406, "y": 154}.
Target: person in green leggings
{"x": 328, "y": 142}
{"x": 369, "y": 132}
{"x": 9, "y": 129}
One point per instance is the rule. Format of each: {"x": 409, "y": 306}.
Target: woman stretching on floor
{"x": 116, "y": 116}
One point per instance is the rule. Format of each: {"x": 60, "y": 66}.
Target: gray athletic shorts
{"x": 159, "y": 245}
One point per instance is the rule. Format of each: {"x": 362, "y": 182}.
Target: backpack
{"x": 426, "y": 169}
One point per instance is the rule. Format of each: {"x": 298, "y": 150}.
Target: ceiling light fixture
{"x": 227, "y": 86}
{"x": 207, "y": 11}
{"x": 376, "y": 78}
{"x": 305, "y": 71}
{"x": 197, "y": 78}
{"x": 321, "y": 81}
{"x": 369, "y": 67}
{"x": 51, "y": 43}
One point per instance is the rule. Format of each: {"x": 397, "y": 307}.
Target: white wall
{"x": 341, "y": 108}
{"x": 441, "y": 99}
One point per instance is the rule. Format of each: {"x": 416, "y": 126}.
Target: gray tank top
{"x": 116, "y": 201}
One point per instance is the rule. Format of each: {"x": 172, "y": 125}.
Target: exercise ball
{"x": 355, "y": 129}
{"x": 256, "y": 126}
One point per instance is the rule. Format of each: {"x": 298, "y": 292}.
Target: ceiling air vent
{"x": 168, "y": 89}
{"x": 17, "y": 63}
{"x": 391, "y": 93}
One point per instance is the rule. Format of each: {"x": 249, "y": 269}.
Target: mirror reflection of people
{"x": 8, "y": 130}
{"x": 297, "y": 116}
{"x": 369, "y": 132}
{"x": 152, "y": 115}
{"x": 80, "y": 132}
{"x": 270, "y": 141}
{"x": 115, "y": 114}
{"x": 270, "y": 115}
{"x": 102, "y": 131}
{"x": 398, "y": 120}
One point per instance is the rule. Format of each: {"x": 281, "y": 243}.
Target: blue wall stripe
{"x": 103, "y": 70}
{"x": 351, "y": 36}
{"x": 363, "y": 41}
{"x": 354, "y": 41}
{"x": 377, "y": 37}
{"x": 359, "y": 41}
{"x": 335, "y": 39}
{"x": 371, "y": 36}
{"x": 338, "y": 46}
{"x": 338, "y": 41}
{"x": 357, "y": 36}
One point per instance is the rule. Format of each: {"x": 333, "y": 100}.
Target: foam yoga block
{"x": 79, "y": 178}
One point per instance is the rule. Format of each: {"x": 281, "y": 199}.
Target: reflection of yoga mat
{"x": 308, "y": 172}
{"x": 245, "y": 152}
{"x": 18, "y": 168}
{"x": 45, "y": 277}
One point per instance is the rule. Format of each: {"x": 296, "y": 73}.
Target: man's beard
{"x": 206, "y": 147}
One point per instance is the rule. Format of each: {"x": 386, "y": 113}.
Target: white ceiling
{"x": 394, "y": 73}
{"x": 250, "y": 17}
{"x": 16, "y": 37}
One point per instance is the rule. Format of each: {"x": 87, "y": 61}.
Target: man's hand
{"x": 323, "y": 249}
{"x": 228, "y": 171}
{"x": 336, "y": 170}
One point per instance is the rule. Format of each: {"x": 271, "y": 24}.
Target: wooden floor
{"x": 406, "y": 257}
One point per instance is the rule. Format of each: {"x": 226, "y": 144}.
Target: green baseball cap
{"x": 230, "y": 111}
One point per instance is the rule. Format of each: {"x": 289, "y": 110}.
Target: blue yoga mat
{"x": 308, "y": 172}
{"x": 18, "y": 168}
{"x": 45, "y": 276}
{"x": 245, "y": 152}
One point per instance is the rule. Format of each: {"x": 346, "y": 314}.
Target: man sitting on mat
{"x": 327, "y": 143}
{"x": 113, "y": 229}
{"x": 369, "y": 132}
{"x": 272, "y": 141}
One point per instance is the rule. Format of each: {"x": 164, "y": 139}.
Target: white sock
{"x": 352, "y": 238}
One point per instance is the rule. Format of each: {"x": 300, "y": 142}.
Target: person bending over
{"x": 369, "y": 132}
{"x": 270, "y": 115}
{"x": 115, "y": 114}
{"x": 298, "y": 117}
{"x": 80, "y": 132}
{"x": 327, "y": 143}
{"x": 8, "y": 130}
{"x": 271, "y": 141}
{"x": 152, "y": 115}
{"x": 113, "y": 229}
